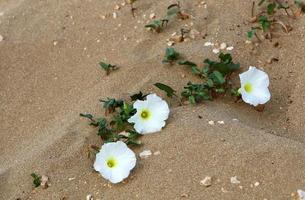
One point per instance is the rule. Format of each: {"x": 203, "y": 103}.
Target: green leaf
{"x": 170, "y": 55}
{"x": 225, "y": 66}
{"x": 192, "y": 100}
{"x": 271, "y": 8}
{"x": 186, "y": 62}
{"x": 265, "y": 23}
{"x": 111, "y": 104}
{"x": 108, "y": 67}
{"x": 217, "y": 78}
{"x": 138, "y": 96}
{"x": 173, "y": 11}
{"x": 36, "y": 179}
{"x": 170, "y": 92}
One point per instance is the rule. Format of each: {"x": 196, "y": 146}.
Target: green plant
{"x": 215, "y": 75}
{"x": 172, "y": 10}
{"x": 267, "y": 18}
{"x": 108, "y": 67}
{"x": 36, "y": 179}
{"x": 111, "y": 131}
{"x": 170, "y": 56}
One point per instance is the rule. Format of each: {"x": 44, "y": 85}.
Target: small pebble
{"x": 234, "y": 180}
{"x": 114, "y": 15}
{"x": 44, "y": 182}
{"x": 248, "y": 42}
{"x": 1, "y": 38}
{"x": 230, "y": 48}
{"x": 117, "y": 7}
{"x": 220, "y": 122}
{"x": 216, "y": 51}
{"x": 207, "y": 44}
{"x": 211, "y": 122}
{"x": 1, "y": 13}
{"x": 223, "y": 45}
{"x": 256, "y": 184}
{"x": 145, "y": 154}
{"x": 207, "y": 181}
{"x": 157, "y": 153}
{"x": 89, "y": 197}
{"x": 152, "y": 16}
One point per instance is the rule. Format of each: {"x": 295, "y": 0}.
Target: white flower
{"x": 151, "y": 114}
{"x": 254, "y": 86}
{"x": 115, "y": 161}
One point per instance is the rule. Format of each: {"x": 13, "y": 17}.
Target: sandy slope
{"x": 43, "y": 88}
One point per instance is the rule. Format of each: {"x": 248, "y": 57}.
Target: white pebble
{"x": 211, "y": 122}
{"x": 1, "y": 13}
{"x": 114, "y": 15}
{"x": 89, "y": 197}
{"x": 1, "y": 38}
{"x": 152, "y": 16}
{"x": 207, "y": 44}
{"x": 220, "y": 122}
{"x": 256, "y": 184}
{"x": 157, "y": 153}
{"x": 223, "y": 45}
{"x": 145, "y": 154}
{"x": 230, "y": 48}
{"x": 207, "y": 181}
{"x": 216, "y": 51}
{"x": 234, "y": 180}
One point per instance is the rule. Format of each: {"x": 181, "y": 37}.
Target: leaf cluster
{"x": 215, "y": 78}
{"x": 36, "y": 179}
{"x": 266, "y": 18}
{"x": 121, "y": 111}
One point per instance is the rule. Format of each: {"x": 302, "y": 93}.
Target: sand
{"x": 49, "y": 74}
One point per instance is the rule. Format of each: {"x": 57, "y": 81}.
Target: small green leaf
{"x": 186, "y": 62}
{"x": 217, "y": 78}
{"x": 36, "y": 179}
{"x": 170, "y": 55}
{"x": 173, "y": 10}
{"x": 265, "y": 23}
{"x": 271, "y": 8}
{"x": 108, "y": 67}
{"x": 170, "y": 92}
{"x": 138, "y": 96}
{"x": 192, "y": 100}
{"x": 111, "y": 104}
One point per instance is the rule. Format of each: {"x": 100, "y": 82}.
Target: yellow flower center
{"x": 145, "y": 114}
{"x": 111, "y": 162}
{"x": 248, "y": 87}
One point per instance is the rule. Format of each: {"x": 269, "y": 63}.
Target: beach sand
{"x": 49, "y": 74}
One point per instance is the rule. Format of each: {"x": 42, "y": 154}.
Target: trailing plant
{"x": 267, "y": 18}
{"x": 173, "y": 10}
{"x": 117, "y": 127}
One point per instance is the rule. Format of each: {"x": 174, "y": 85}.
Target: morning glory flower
{"x": 254, "y": 86}
{"x": 115, "y": 161}
{"x": 151, "y": 114}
